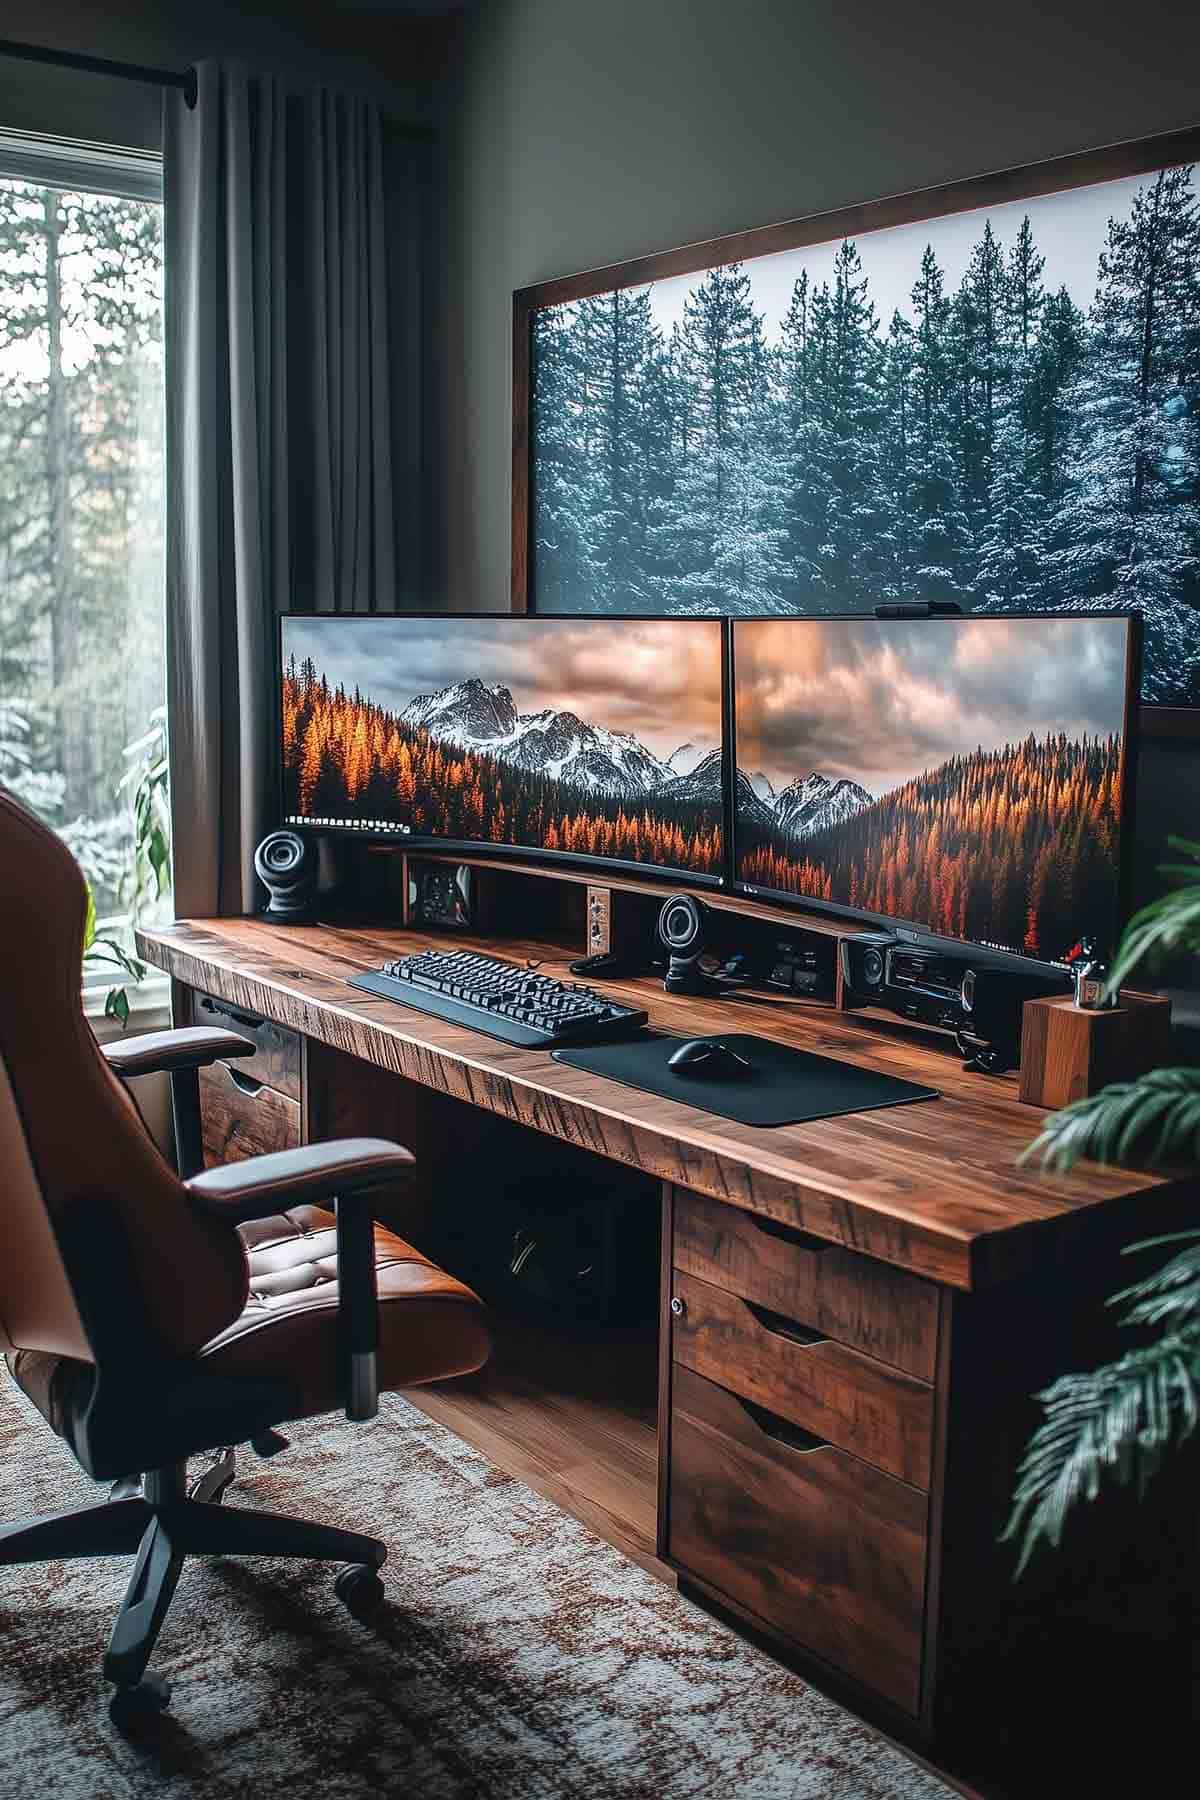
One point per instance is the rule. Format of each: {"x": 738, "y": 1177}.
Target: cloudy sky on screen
{"x": 659, "y": 679}
{"x": 881, "y": 701}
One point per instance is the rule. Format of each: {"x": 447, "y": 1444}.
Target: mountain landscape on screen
{"x": 462, "y": 760}
{"x": 963, "y": 775}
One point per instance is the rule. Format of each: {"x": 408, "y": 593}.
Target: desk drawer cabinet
{"x": 250, "y": 1105}
{"x": 801, "y": 1416}
{"x": 824, "y": 1549}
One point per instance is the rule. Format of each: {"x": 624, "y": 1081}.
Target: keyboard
{"x": 515, "y": 1004}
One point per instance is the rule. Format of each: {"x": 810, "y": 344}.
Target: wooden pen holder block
{"x": 1068, "y": 1052}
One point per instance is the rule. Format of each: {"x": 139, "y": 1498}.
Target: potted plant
{"x": 1116, "y": 1424}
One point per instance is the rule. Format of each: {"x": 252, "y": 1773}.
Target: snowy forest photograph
{"x": 566, "y": 735}
{"x": 965, "y": 775}
{"x": 999, "y": 408}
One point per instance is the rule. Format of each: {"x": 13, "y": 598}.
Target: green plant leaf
{"x": 1154, "y": 1120}
{"x": 89, "y": 921}
{"x": 1171, "y": 922}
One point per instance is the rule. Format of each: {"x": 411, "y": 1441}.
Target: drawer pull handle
{"x": 782, "y": 1430}
{"x": 249, "y": 1020}
{"x": 245, "y": 1084}
{"x": 788, "y": 1234}
{"x": 779, "y": 1325}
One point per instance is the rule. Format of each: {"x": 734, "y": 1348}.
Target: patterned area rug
{"x": 518, "y": 1657}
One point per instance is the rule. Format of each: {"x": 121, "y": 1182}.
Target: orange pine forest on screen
{"x": 1012, "y": 846}
{"x": 345, "y": 757}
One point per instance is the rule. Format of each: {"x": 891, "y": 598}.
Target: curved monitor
{"x": 969, "y": 775}
{"x": 600, "y": 739}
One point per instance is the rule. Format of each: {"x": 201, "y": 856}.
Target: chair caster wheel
{"x": 132, "y": 1707}
{"x": 360, "y": 1591}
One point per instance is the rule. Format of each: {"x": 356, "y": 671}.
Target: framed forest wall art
{"x": 987, "y": 393}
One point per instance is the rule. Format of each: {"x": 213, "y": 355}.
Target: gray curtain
{"x": 293, "y": 265}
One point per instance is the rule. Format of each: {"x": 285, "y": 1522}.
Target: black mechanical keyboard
{"x": 502, "y": 999}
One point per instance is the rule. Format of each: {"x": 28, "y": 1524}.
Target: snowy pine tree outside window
{"x": 82, "y": 673}
{"x": 998, "y": 407}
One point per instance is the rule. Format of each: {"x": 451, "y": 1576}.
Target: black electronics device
{"x": 993, "y": 1003}
{"x": 783, "y": 1086}
{"x": 517, "y": 1005}
{"x": 684, "y": 928}
{"x": 286, "y": 864}
{"x": 441, "y": 894}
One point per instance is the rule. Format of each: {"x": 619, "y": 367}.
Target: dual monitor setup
{"x": 940, "y": 782}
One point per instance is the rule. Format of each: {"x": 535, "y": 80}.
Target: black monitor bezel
{"x": 912, "y": 929}
{"x": 471, "y": 848}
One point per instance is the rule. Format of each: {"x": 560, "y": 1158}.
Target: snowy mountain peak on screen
{"x": 702, "y": 786}
{"x": 468, "y": 712}
{"x": 558, "y": 744}
{"x": 813, "y": 802}
{"x": 684, "y": 760}
{"x": 762, "y": 787}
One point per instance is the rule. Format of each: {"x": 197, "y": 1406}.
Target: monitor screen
{"x": 592, "y": 738}
{"x": 962, "y": 774}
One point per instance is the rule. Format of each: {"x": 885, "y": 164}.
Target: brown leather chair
{"x": 151, "y": 1318}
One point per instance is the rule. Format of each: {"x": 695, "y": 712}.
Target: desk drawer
{"x": 276, "y": 1059}
{"x": 826, "y": 1551}
{"x": 242, "y": 1117}
{"x": 864, "y": 1304}
{"x": 876, "y": 1412}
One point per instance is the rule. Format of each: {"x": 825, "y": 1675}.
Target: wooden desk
{"x": 854, "y": 1315}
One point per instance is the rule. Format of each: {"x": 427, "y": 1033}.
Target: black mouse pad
{"x": 785, "y": 1086}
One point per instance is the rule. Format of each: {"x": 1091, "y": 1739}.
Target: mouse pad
{"x": 785, "y": 1087}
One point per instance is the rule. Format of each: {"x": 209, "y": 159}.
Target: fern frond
{"x": 1112, "y": 1425}
{"x": 1171, "y": 922}
{"x": 1155, "y": 1120}
{"x": 1172, "y": 1293}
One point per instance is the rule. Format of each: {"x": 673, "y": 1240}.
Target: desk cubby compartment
{"x": 240, "y": 1116}
{"x": 863, "y": 1304}
{"x": 779, "y": 1362}
{"x": 826, "y": 1551}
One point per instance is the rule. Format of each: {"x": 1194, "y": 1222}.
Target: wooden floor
{"x": 574, "y": 1415}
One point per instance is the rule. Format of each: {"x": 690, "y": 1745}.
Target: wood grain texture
{"x": 237, "y": 1124}
{"x": 1068, "y": 1052}
{"x": 936, "y": 1189}
{"x": 826, "y": 1551}
{"x": 859, "y": 1302}
{"x": 877, "y": 1413}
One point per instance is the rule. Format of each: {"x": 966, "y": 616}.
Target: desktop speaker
{"x": 993, "y": 1006}
{"x": 864, "y": 968}
{"x": 286, "y": 864}
{"x": 683, "y": 932}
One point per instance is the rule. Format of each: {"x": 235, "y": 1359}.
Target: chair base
{"x": 161, "y": 1525}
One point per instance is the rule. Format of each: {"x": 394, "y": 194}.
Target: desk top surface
{"x": 934, "y": 1188}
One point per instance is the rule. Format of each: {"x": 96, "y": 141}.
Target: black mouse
{"x": 708, "y": 1056}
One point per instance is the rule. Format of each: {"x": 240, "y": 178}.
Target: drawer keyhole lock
{"x": 678, "y": 1306}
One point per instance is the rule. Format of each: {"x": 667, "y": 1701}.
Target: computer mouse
{"x": 709, "y": 1056}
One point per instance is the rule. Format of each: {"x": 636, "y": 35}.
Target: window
{"x": 82, "y": 678}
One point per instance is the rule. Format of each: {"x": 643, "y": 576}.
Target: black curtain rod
{"x": 184, "y": 79}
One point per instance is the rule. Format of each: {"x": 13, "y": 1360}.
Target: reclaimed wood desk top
{"x": 934, "y": 1188}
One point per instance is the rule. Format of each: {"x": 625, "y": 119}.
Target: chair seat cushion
{"x": 431, "y": 1325}
{"x": 278, "y": 1361}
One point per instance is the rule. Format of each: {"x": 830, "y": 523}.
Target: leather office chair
{"x": 151, "y": 1318}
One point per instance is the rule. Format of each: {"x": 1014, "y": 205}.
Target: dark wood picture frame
{"x": 1030, "y": 181}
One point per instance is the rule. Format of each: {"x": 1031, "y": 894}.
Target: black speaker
{"x": 286, "y": 864}
{"x": 864, "y": 967}
{"x": 993, "y": 1004}
{"x": 683, "y": 932}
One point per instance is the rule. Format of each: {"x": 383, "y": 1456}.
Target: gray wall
{"x": 581, "y": 132}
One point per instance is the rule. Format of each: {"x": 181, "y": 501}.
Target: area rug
{"x": 518, "y": 1656}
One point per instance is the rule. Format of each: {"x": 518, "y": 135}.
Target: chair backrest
{"x": 100, "y": 1245}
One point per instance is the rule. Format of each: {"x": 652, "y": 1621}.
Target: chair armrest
{"x": 341, "y": 1171}
{"x": 190, "y": 1047}
{"x": 262, "y": 1185}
